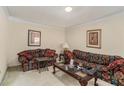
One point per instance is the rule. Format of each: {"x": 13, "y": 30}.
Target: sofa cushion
{"x": 49, "y": 53}
{"x": 42, "y": 53}
{"x": 105, "y": 59}
{"x": 119, "y": 76}
{"x": 104, "y": 73}
{"x": 78, "y": 60}
{"x": 101, "y": 59}
{"x": 81, "y": 55}
{"x": 92, "y": 65}
{"x": 94, "y": 58}
{"x": 115, "y": 64}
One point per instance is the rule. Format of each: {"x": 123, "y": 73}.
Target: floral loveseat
{"x": 28, "y": 57}
{"x": 109, "y": 68}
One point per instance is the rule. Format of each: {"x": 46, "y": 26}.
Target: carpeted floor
{"x": 15, "y": 77}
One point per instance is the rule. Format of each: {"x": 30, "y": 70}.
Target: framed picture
{"x": 94, "y": 38}
{"x": 34, "y": 38}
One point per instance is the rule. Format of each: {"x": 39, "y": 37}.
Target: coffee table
{"x": 81, "y": 76}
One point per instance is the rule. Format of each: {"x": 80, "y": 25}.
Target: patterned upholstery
{"x": 49, "y": 53}
{"x": 81, "y": 55}
{"x": 110, "y": 68}
{"x": 28, "y": 58}
{"x": 117, "y": 69}
{"x": 95, "y": 58}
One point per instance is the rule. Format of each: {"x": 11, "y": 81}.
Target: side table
{"x": 42, "y": 61}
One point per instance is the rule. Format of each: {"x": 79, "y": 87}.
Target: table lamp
{"x": 65, "y": 46}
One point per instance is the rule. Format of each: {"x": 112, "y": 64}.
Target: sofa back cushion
{"x": 26, "y": 54}
{"x": 95, "y": 58}
{"x": 102, "y": 59}
{"x": 106, "y": 59}
{"x": 81, "y": 55}
{"x": 99, "y": 58}
{"x": 37, "y": 52}
{"x": 33, "y": 53}
{"x": 117, "y": 68}
{"x": 41, "y": 52}
{"x": 116, "y": 63}
{"x": 49, "y": 53}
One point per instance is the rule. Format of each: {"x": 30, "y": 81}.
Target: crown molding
{"x": 98, "y": 19}
{"x": 22, "y": 21}
{"x": 12, "y": 18}
{"x": 81, "y": 24}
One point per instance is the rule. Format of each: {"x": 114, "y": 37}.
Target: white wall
{"x": 51, "y": 37}
{"x": 112, "y": 35}
{"x": 3, "y": 42}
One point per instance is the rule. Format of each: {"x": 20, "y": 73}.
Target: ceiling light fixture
{"x": 68, "y": 9}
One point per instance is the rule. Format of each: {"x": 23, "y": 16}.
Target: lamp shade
{"x": 65, "y": 45}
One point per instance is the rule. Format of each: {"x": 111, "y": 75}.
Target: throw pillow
{"x": 69, "y": 54}
{"x": 26, "y": 54}
{"x": 116, "y": 63}
{"x": 49, "y": 53}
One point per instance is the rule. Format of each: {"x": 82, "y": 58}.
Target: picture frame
{"x": 34, "y": 38}
{"x": 93, "y": 38}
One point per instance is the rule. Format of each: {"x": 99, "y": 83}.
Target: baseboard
{"x": 8, "y": 68}
{"x": 3, "y": 77}
{"x": 13, "y": 65}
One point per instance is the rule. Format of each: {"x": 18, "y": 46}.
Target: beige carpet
{"x": 16, "y": 77}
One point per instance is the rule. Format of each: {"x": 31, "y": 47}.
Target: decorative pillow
{"x": 49, "y": 53}
{"x": 122, "y": 69}
{"x": 69, "y": 54}
{"x": 26, "y": 54}
{"x": 104, "y": 69}
{"x": 21, "y": 53}
{"x": 42, "y": 53}
{"x": 119, "y": 75}
{"x": 106, "y": 76}
{"x": 117, "y": 63}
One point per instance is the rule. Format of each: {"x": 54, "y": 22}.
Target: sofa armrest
{"x": 22, "y": 59}
{"x": 27, "y": 55}
{"x": 113, "y": 73}
{"x": 116, "y": 63}
{"x": 113, "y": 66}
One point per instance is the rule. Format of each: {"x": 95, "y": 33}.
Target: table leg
{"x": 39, "y": 67}
{"x": 23, "y": 67}
{"x": 54, "y": 70}
{"x": 47, "y": 65}
{"x": 83, "y": 82}
{"x": 95, "y": 82}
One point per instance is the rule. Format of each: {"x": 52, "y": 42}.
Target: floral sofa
{"x": 28, "y": 58}
{"x": 109, "y": 68}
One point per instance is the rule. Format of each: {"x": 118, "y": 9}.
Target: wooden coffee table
{"x": 82, "y": 77}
